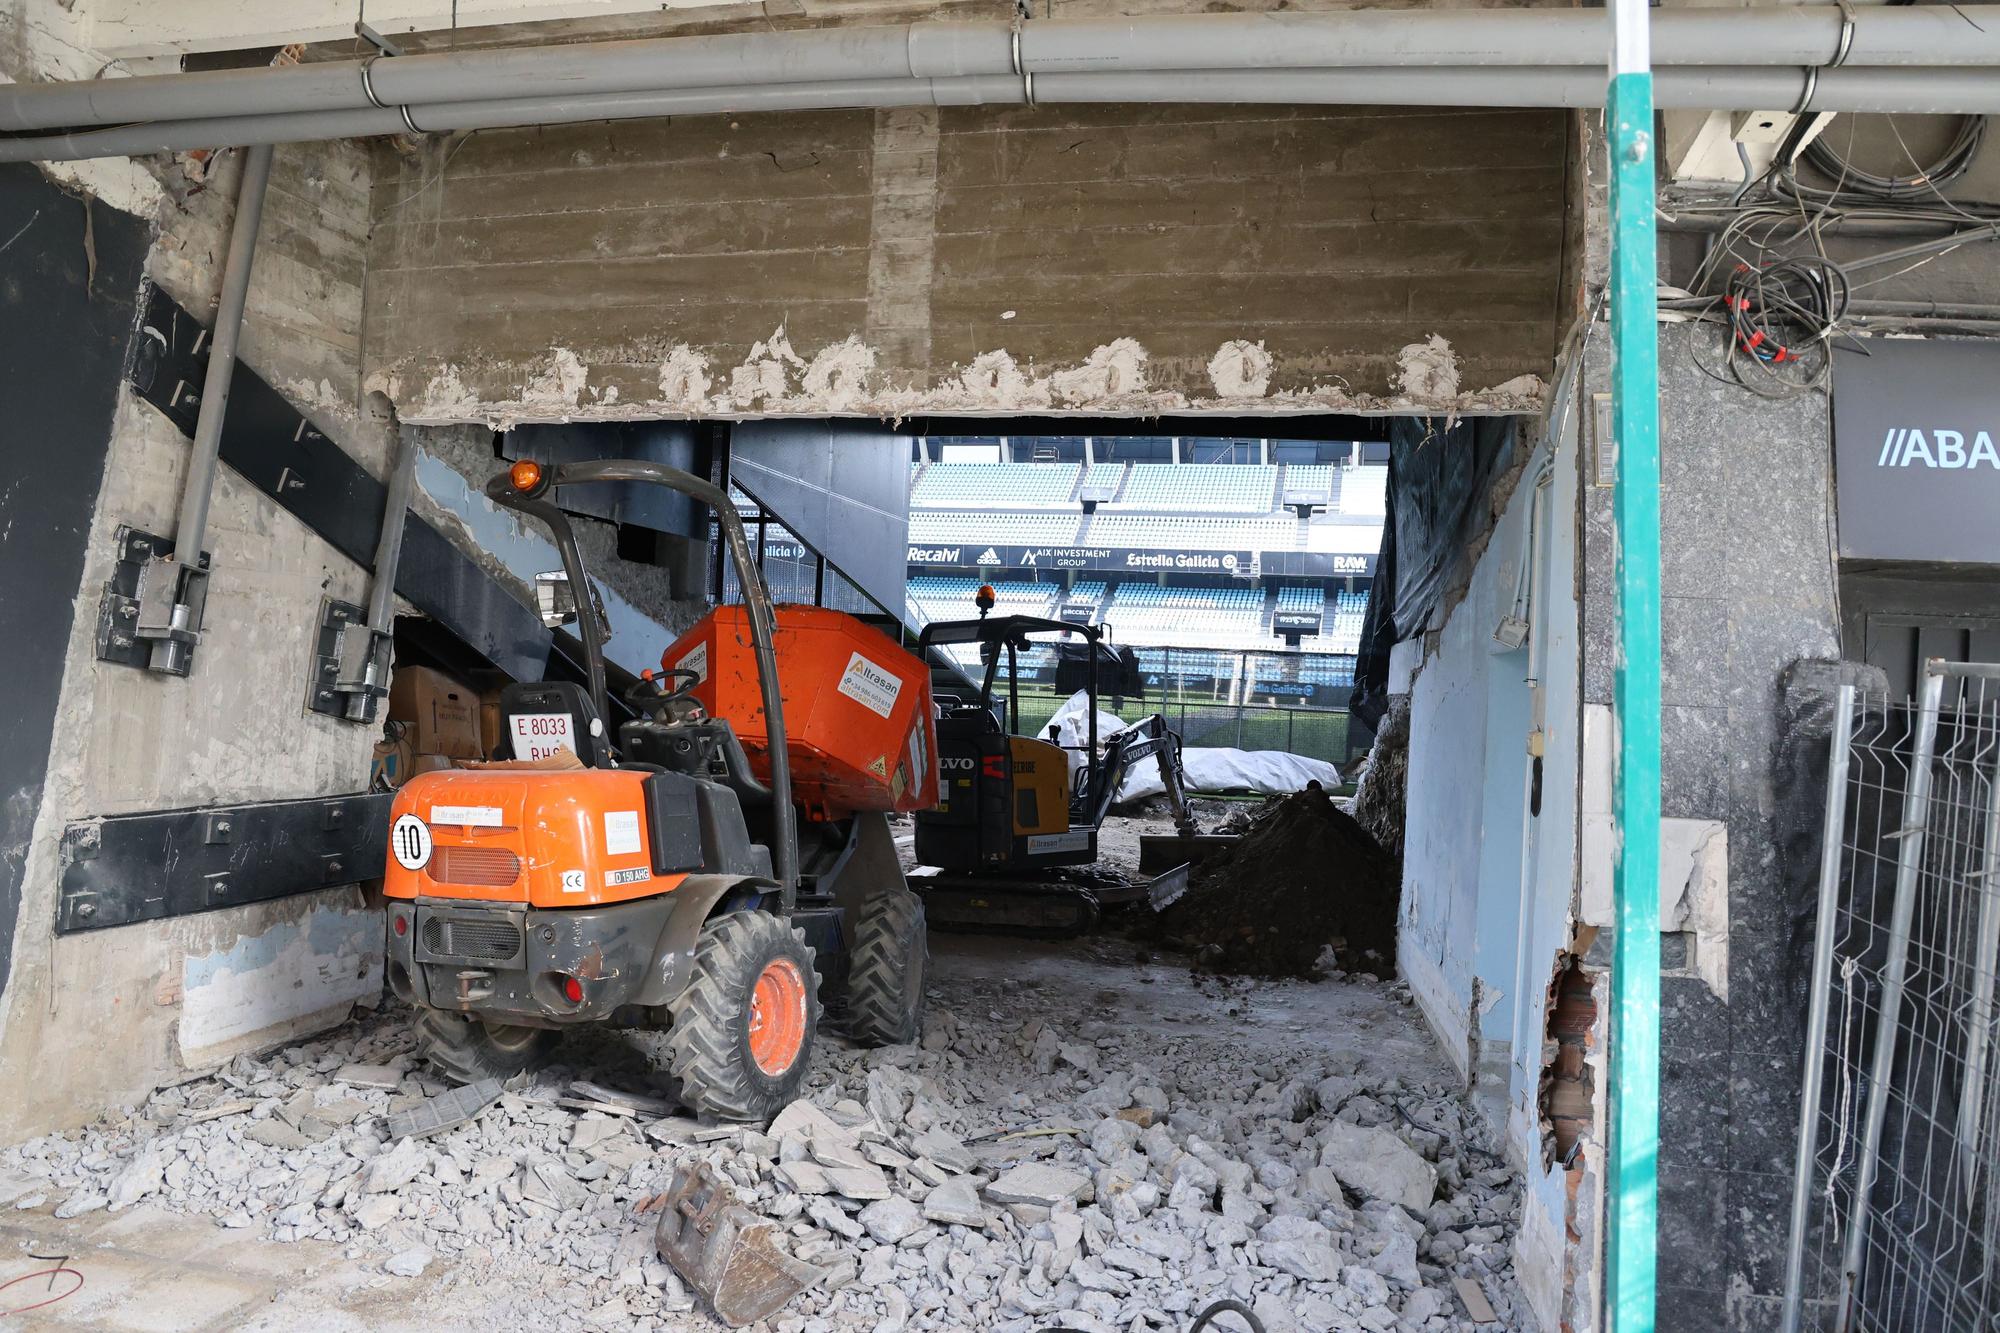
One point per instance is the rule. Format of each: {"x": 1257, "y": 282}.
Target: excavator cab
{"x": 1013, "y": 806}
{"x": 717, "y": 868}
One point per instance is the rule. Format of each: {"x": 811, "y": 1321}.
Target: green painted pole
{"x": 1632, "y": 1256}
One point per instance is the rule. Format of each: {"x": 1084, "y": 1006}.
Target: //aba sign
{"x": 1916, "y": 428}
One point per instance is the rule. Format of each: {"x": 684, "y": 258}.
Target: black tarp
{"x": 1440, "y": 474}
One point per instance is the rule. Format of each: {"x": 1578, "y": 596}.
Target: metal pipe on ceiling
{"x": 1415, "y": 40}
{"x": 1966, "y": 91}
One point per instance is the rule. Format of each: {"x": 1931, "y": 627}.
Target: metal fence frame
{"x": 1895, "y": 1224}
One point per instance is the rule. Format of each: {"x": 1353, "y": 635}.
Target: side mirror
{"x": 555, "y": 600}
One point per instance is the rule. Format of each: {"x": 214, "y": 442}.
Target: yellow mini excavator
{"x": 1014, "y": 812}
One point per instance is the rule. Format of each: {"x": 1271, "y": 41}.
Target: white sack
{"x": 1071, "y": 725}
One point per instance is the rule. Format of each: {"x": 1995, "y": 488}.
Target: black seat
{"x": 551, "y": 697}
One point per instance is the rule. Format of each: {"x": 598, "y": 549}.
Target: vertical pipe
{"x": 1979, "y": 1023}
{"x": 1909, "y": 868}
{"x": 1635, "y": 394}
{"x": 389, "y": 543}
{"x": 1822, "y": 983}
{"x": 193, "y": 522}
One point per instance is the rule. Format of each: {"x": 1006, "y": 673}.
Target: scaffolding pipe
{"x": 190, "y": 529}
{"x": 1633, "y": 1185}
{"x": 1729, "y": 88}
{"x": 1800, "y": 36}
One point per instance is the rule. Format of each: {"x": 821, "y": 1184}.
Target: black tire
{"x": 709, "y": 1041}
{"x": 885, "y": 976}
{"x": 466, "y": 1050}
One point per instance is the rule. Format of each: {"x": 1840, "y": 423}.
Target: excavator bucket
{"x": 726, "y": 1252}
{"x": 1164, "y": 851}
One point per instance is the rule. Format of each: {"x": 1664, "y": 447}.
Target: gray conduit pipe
{"x": 192, "y": 525}
{"x": 1800, "y": 35}
{"x": 1743, "y": 88}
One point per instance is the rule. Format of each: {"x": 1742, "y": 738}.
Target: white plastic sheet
{"x": 1221, "y": 769}
{"x": 1208, "y": 769}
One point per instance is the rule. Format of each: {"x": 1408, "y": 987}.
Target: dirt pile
{"x": 1304, "y": 876}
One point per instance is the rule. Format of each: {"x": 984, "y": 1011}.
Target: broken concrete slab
{"x": 391, "y": 1170}
{"x": 615, "y": 1100}
{"x": 955, "y": 1203}
{"x": 804, "y": 1177}
{"x": 862, "y": 1182}
{"x": 275, "y": 1133}
{"x": 1038, "y": 1184}
{"x": 803, "y": 1119}
{"x": 593, "y": 1128}
{"x": 1376, "y": 1164}
{"x": 369, "y": 1076}
{"x": 889, "y": 1220}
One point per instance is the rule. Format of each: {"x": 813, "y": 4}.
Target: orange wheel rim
{"x": 778, "y": 1016}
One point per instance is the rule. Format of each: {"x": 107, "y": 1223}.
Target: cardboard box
{"x": 490, "y": 725}
{"x": 442, "y": 712}
{"x": 431, "y": 763}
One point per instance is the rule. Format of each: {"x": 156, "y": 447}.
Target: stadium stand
{"x": 1200, "y": 488}
{"x": 1340, "y": 631}
{"x": 1349, "y": 538}
{"x": 1264, "y": 532}
{"x": 1365, "y": 490}
{"x": 1088, "y": 594}
{"x": 946, "y": 598}
{"x": 976, "y": 530}
{"x": 1293, "y": 597}
{"x": 1312, "y": 483}
{"x": 1205, "y": 617}
{"x": 1195, "y": 643}
{"x": 994, "y": 486}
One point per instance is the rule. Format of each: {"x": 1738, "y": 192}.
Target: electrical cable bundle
{"x": 1782, "y": 297}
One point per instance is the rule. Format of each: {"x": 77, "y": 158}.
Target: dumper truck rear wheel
{"x": 885, "y": 978}
{"x": 467, "y": 1050}
{"x": 742, "y": 1031}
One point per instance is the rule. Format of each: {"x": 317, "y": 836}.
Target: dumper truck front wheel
{"x": 885, "y": 981}
{"x": 467, "y": 1050}
{"x": 742, "y": 1031}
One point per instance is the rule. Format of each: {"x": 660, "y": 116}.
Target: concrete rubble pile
{"x": 1003, "y": 1175}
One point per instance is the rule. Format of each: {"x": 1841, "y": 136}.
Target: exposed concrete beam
{"x": 128, "y": 29}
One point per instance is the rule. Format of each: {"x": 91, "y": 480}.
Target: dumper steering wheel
{"x": 652, "y": 695}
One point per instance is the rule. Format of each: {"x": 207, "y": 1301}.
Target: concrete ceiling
{"x": 130, "y": 29}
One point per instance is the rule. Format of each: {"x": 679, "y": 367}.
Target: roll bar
{"x": 756, "y": 600}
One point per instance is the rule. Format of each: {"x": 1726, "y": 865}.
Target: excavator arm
{"x": 1148, "y": 738}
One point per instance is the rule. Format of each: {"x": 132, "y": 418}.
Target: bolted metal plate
{"x": 270, "y": 445}
{"x": 139, "y": 579}
{"x": 342, "y": 652}
{"x": 147, "y": 867}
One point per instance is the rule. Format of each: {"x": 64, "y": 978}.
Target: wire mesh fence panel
{"x": 1899, "y": 1225}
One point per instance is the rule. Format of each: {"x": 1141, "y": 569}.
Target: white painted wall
{"x": 1476, "y": 949}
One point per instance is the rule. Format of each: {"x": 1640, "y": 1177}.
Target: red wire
{"x": 50, "y": 1273}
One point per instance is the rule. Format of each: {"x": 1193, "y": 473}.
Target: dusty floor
{"x": 207, "y": 1258}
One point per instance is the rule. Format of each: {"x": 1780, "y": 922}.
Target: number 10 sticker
{"x": 410, "y": 840}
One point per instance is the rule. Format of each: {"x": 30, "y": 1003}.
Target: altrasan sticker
{"x": 873, "y": 687}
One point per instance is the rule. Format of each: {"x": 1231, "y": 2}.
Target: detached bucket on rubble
{"x": 726, "y": 1252}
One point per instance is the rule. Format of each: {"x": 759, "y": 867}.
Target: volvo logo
{"x": 410, "y": 841}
